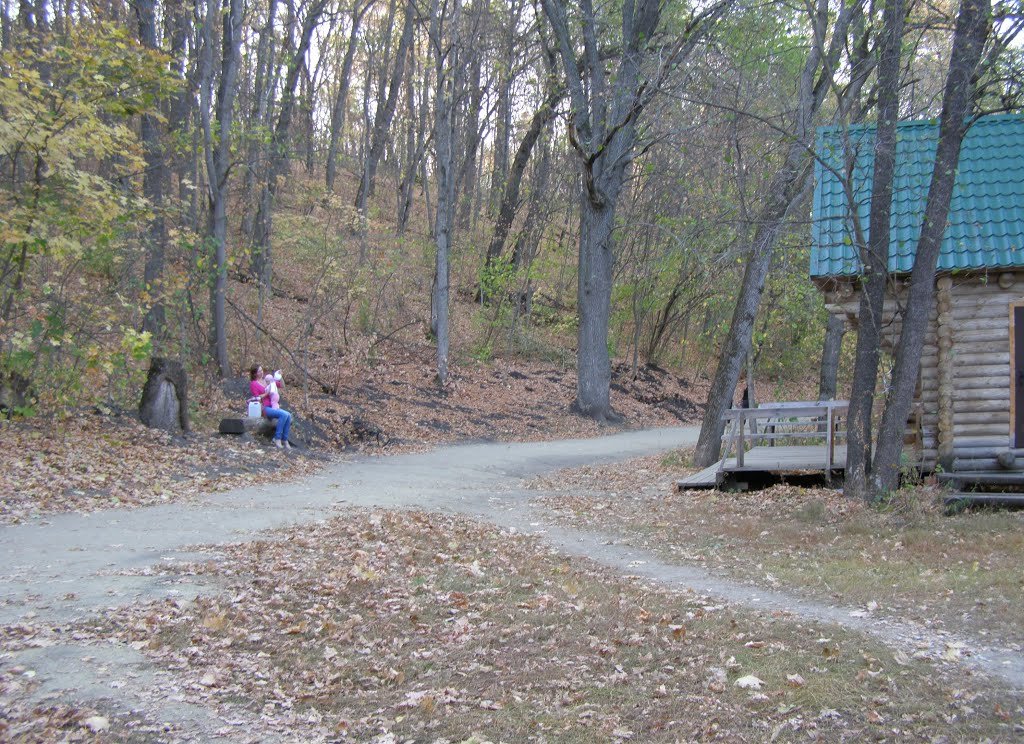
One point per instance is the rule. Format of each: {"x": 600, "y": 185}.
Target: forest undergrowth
{"x": 352, "y": 339}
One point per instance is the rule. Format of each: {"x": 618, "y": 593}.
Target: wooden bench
{"x": 258, "y": 425}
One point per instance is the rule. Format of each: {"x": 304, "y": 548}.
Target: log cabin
{"x": 969, "y": 405}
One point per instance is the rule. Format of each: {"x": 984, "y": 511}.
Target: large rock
{"x": 164, "y": 403}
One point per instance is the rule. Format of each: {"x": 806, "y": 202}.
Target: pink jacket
{"x": 257, "y": 390}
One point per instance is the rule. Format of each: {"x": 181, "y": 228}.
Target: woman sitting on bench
{"x": 271, "y": 407}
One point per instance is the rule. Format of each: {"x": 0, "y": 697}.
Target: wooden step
{"x": 706, "y": 478}
{"x": 973, "y": 497}
{"x": 987, "y": 477}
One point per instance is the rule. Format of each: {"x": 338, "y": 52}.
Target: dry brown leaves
{"x": 26, "y": 720}
{"x": 502, "y": 400}
{"x": 95, "y": 462}
{"x": 906, "y": 559}
{"x": 91, "y": 461}
{"x": 420, "y": 627}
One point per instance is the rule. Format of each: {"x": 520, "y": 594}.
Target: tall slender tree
{"x": 874, "y": 255}
{"x": 445, "y": 44}
{"x": 262, "y": 263}
{"x": 153, "y": 181}
{"x": 605, "y": 105}
{"x": 385, "y": 111}
{"x": 787, "y": 185}
{"x": 973, "y": 26}
{"x": 218, "y": 157}
{"x": 340, "y": 108}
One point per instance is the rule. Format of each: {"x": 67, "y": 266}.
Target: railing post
{"x": 739, "y": 449}
{"x": 830, "y": 441}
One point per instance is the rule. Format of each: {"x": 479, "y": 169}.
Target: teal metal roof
{"x": 986, "y": 217}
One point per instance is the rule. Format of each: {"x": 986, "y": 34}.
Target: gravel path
{"x": 71, "y": 567}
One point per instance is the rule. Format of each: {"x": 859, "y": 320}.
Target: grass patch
{"x": 905, "y": 555}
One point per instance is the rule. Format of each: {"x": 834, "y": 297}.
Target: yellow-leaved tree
{"x": 70, "y": 210}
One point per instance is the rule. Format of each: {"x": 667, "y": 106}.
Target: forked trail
{"x": 75, "y": 566}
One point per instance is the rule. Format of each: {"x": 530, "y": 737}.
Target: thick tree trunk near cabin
{"x": 874, "y": 259}
{"x": 741, "y": 330}
{"x": 972, "y": 28}
{"x": 835, "y": 329}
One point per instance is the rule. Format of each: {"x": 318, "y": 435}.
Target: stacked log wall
{"x": 963, "y": 398}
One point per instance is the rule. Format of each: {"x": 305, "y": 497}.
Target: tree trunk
{"x": 445, "y": 165}
{"x": 5, "y": 25}
{"x": 264, "y": 88}
{"x": 472, "y": 134}
{"x": 341, "y": 101}
{"x": 308, "y": 122}
{"x": 596, "y": 260}
{"x": 164, "y": 402}
{"x": 415, "y": 146}
{"x": 178, "y": 29}
{"x": 834, "y": 332}
{"x": 153, "y": 189}
{"x": 503, "y": 114}
{"x": 262, "y": 263}
{"x": 510, "y": 197}
{"x": 875, "y": 259}
{"x": 605, "y": 107}
{"x": 783, "y": 193}
{"x": 786, "y": 185}
{"x": 537, "y": 217}
{"x": 384, "y": 114}
{"x": 218, "y": 154}
{"x": 973, "y": 25}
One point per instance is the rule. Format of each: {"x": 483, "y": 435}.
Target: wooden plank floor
{"x": 768, "y": 460}
{"x": 786, "y": 459}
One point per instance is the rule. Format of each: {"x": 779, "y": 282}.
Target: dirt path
{"x": 72, "y": 567}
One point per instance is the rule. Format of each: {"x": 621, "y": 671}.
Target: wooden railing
{"x": 791, "y": 421}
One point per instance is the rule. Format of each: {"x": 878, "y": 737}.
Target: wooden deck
{"x": 795, "y": 459}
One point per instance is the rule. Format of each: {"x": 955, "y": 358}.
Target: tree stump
{"x": 164, "y": 402}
